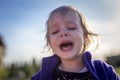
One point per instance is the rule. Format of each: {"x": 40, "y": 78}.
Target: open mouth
{"x": 66, "y": 46}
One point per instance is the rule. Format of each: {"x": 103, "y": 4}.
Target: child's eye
{"x": 72, "y": 28}
{"x": 55, "y": 32}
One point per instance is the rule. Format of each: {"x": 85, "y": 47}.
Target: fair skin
{"x": 67, "y": 40}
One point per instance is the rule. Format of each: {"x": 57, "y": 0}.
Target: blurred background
{"x": 22, "y": 31}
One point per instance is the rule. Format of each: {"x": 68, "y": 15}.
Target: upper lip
{"x": 65, "y": 41}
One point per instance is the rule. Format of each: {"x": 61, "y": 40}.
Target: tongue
{"x": 66, "y": 47}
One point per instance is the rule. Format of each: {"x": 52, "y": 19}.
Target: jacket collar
{"x": 49, "y": 63}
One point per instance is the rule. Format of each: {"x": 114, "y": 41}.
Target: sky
{"x": 22, "y": 25}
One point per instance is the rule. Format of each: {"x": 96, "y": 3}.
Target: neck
{"x": 72, "y": 65}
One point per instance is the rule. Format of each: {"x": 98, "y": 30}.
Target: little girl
{"x": 69, "y": 37}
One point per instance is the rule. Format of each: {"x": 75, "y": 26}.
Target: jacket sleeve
{"x": 112, "y": 74}
{"x": 105, "y": 71}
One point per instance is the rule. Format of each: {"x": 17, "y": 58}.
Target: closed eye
{"x": 55, "y": 32}
{"x": 72, "y": 28}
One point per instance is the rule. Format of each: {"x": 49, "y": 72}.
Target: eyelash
{"x": 55, "y": 32}
{"x": 72, "y": 28}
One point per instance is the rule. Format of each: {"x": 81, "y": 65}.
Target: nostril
{"x": 62, "y": 35}
{"x": 65, "y": 34}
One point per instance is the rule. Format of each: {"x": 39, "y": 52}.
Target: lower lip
{"x": 67, "y": 49}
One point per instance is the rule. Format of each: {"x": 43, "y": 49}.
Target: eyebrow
{"x": 54, "y": 25}
{"x": 71, "y": 22}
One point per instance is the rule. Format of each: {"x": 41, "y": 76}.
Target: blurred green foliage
{"x": 3, "y": 73}
{"x": 117, "y": 69}
{"x": 19, "y": 72}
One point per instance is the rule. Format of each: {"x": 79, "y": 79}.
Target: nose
{"x": 63, "y": 33}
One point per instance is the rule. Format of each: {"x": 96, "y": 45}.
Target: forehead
{"x": 69, "y": 16}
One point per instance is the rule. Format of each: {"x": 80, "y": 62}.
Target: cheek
{"x": 80, "y": 39}
{"x": 51, "y": 39}
{"x": 52, "y": 42}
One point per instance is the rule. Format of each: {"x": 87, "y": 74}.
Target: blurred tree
{"x": 13, "y": 70}
{"x": 2, "y": 50}
{"x": 34, "y": 67}
{"x": 26, "y": 69}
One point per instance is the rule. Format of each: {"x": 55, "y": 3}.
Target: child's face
{"x": 66, "y": 35}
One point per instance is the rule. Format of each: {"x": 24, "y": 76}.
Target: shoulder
{"x": 50, "y": 61}
{"x": 105, "y": 69}
{"x": 103, "y": 65}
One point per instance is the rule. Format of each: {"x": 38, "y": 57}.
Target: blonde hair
{"x": 89, "y": 35}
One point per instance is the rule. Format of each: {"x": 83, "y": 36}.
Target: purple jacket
{"x": 99, "y": 70}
